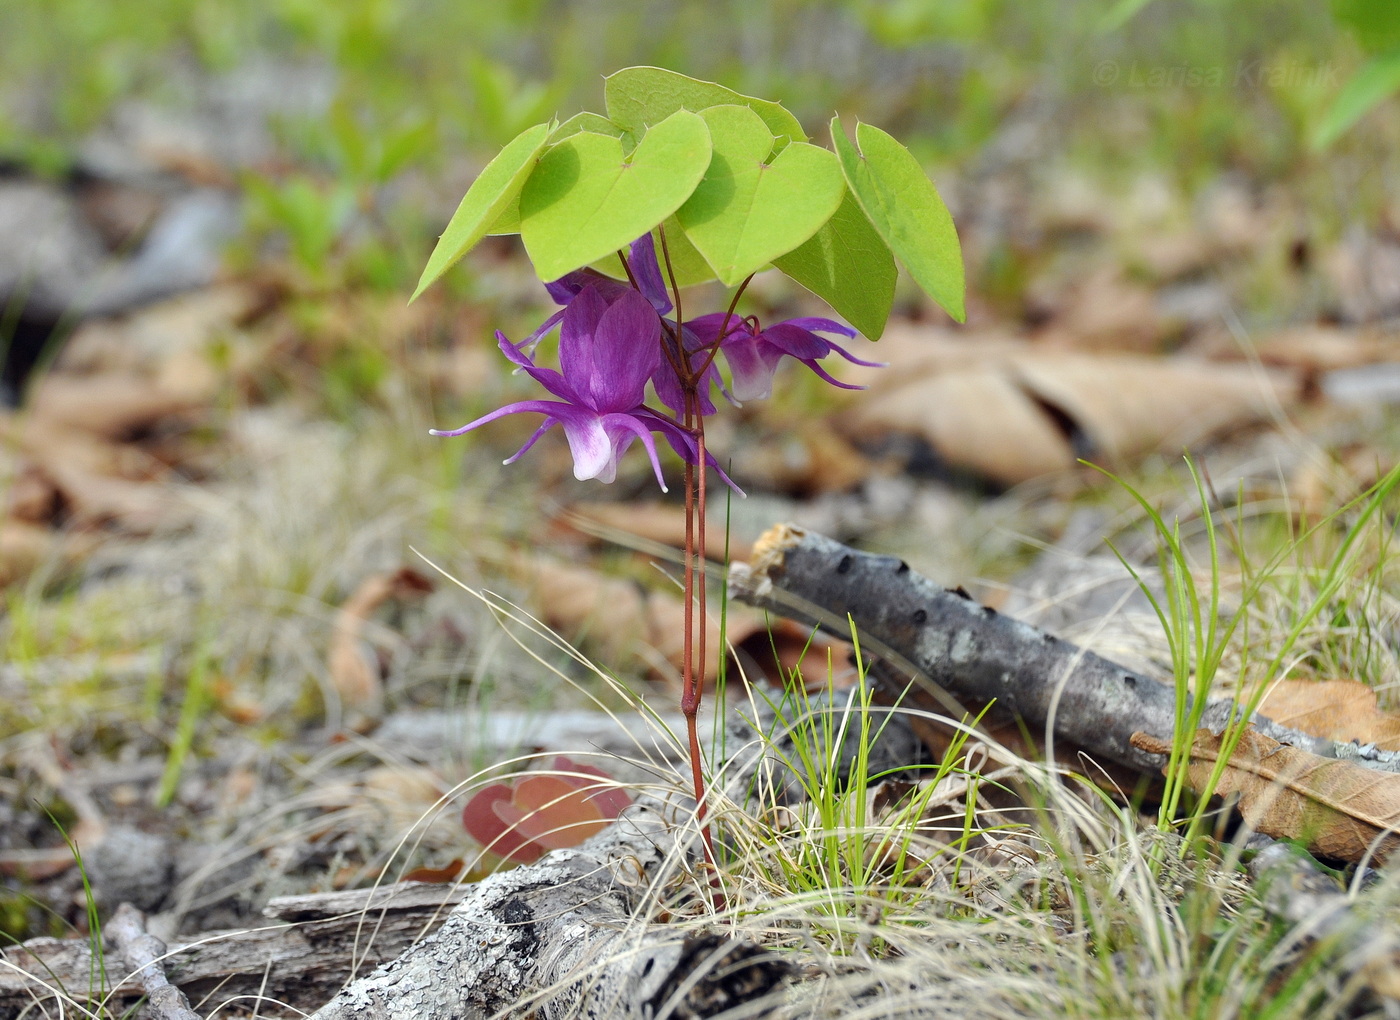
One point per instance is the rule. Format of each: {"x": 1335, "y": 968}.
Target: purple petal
{"x": 625, "y": 354}
{"x": 576, "y": 336}
{"x": 837, "y": 348}
{"x": 751, "y": 367}
{"x": 706, "y": 327}
{"x": 548, "y": 424}
{"x": 668, "y": 385}
{"x": 539, "y": 334}
{"x": 568, "y": 286}
{"x": 595, "y": 452}
{"x": 646, "y": 271}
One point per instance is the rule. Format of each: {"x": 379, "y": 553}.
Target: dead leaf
{"x": 1335, "y": 709}
{"x": 1321, "y": 484}
{"x": 1336, "y": 808}
{"x": 1010, "y": 412}
{"x": 113, "y": 406}
{"x": 354, "y": 673}
{"x": 1106, "y": 311}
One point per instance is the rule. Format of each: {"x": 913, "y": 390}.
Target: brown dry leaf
{"x": 113, "y": 406}
{"x": 94, "y": 500}
{"x": 1010, "y": 412}
{"x": 23, "y": 547}
{"x": 354, "y": 673}
{"x": 1336, "y": 808}
{"x": 1319, "y": 484}
{"x": 1336, "y": 709}
{"x": 1107, "y": 312}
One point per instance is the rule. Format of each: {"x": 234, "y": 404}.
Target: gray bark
{"x": 563, "y": 938}
{"x": 312, "y": 946}
{"x": 144, "y": 954}
{"x": 962, "y": 655}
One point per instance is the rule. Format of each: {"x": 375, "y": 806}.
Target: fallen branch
{"x": 562, "y": 938}
{"x": 963, "y": 656}
{"x": 313, "y": 946}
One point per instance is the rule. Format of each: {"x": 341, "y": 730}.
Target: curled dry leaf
{"x": 1336, "y": 709}
{"x": 355, "y": 673}
{"x": 1335, "y": 808}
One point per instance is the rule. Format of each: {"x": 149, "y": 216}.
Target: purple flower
{"x": 646, "y": 270}
{"x": 753, "y": 352}
{"x": 607, "y": 352}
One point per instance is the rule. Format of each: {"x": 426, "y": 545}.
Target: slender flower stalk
{"x": 616, "y": 338}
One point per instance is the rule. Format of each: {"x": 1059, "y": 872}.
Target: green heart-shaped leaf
{"x": 493, "y": 192}
{"x": 638, "y": 97}
{"x": 688, "y": 264}
{"x": 903, "y": 205}
{"x": 747, "y": 210}
{"x": 849, "y": 266}
{"x": 584, "y": 122}
{"x": 585, "y": 199}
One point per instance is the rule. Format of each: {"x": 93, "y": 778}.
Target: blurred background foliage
{"x": 434, "y": 77}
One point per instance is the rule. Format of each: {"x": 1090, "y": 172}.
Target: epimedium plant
{"x": 683, "y": 182}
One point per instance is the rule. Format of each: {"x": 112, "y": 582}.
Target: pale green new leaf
{"x": 585, "y": 121}
{"x": 586, "y": 199}
{"x": 688, "y": 264}
{"x": 849, "y": 266}
{"x": 904, "y": 206}
{"x": 638, "y": 97}
{"x": 493, "y": 192}
{"x": 748, "y": 210}
{"x": 1376, "y": 81}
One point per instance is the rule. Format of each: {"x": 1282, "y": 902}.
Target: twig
{"x": 145, "y": 955}
{"x": 949, "y": 644}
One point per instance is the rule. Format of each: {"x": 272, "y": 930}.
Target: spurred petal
{"x": 682, "y": 442}
{"x": 546, "y": 377}
{"x": 822, "y": 373}
{"x": 622, "y": 428}
{"x": 550, "y": 407}
{"x": 794, "y": 340}
{"x": 818, "y": 325}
